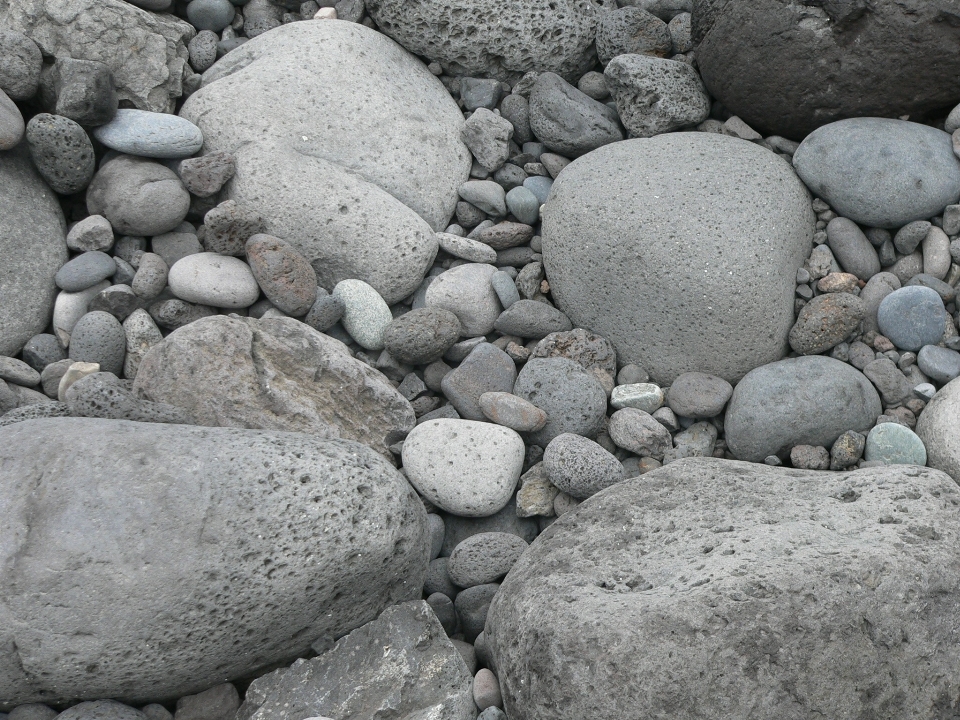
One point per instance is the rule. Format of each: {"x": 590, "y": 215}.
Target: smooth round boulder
{"x": 213, "y": 279}
{"x": 937, "y": 428}
{"x": 880, "y": 172}
{"x": 293, "y": 537}
{"x": 708, "y": 574}
{"x": 810, "y": 400}
{"x": 639, "y": 236}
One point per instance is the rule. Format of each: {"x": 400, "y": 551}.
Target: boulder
{"x": 485, "y": 38}
{"x": 403, "y": 661}
{"x": 273, "y": 374}
{"x": 810, "y": 400}
{"x": 937, "y": 427}
{"x": 642, "y": 235}
{"x": 145, "y": 562}
{"x": 787, "y": 68}
{"x": 33, "y": 247}
{"x": 146, "y": 52}
{"x": 738, "y": 591}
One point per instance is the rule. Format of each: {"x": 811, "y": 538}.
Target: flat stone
{"x": 17, "y": 371}
{"x": 484, "y": 558}
{"x": 642, "y": 396}
{"x": 511, "y": 411}
{"x": 212, "y": 279}
{"x": 893, "y": 444}
{"x": 698, "y": 395}
{"x": 486, "y": 195}
{"x": 467, "y": 249}
{"x": 638, "y": 432}
{"x": 85, "y": 271}
{"x": 579, "y": 466}
{"x": 912, "y": 317}
{"x": 150, "y": 134}
{"x": 941, "y": 364}
{"x": 532, "y": 319}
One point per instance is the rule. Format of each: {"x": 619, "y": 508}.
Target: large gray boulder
{"x": 33, "y": 247}
{"x": 273, "y": 374}
{"x": 739, "y": 591}
{"x": 145, "y": 562}
{"x": 938, "y": 427}
{"x": 146, "y": 52}
{"x": 809, "y": 400}
{"x": 312, "y": 156}
{"x": 492, "y": 39}
{"x": 790, "y": 67}
{"x": 641, "y": 237}
{"x": 401, "y": 665}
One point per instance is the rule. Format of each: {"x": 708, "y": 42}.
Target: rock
{"x": 283, "y": 274}
{"x": 101, "y": 395}
{"x": 631, "y": 30}
{"x": 472, "y": 606}
{"x": 936, "y": 253}
{"x": 145, "y": 52}
{"x": 485, "y": 195}
{"x": 640, "y": 433}
{"x": 228, "y": 226}
{"x": 486, "y": 690}
{"x": 567, "y": 121}
{"x": 877, "y": 288}
{"x": 524, "y": 205}
{"x": 507, "y": 520}
{"x": 139, "y": 197}
{"x": 41, "y": 350}
{"x": 852, "y": 249}
{"x": 656, "y": 96}
{"x": 739, "y": 197}
{"x": 581, "y": 346}
{"x": 70, "y": 307}
{"x": 937, "y": 426}
{"x": 185, "y": 503}
{"x": 580, "y": 467}
{"x": 467, "y": 292}
{"x": 81, "y": 90}
{"x": 889, "y": 381}
{"x": 11, "y": 123}
{"x": 220, "y": 702}
{"x": 909, "y": 237}
{"x": 880, "y": 172}
{"x": 142, "y": 334}
{"x": 912, "y": 317}
{"x": 479, "y": 93}
{"x": 212, "y": 15}
{"x": 762, "y": 542}
{"x": 85, "y": 271}
{"x": 422, "y": 336}
{"x": 485, "y": 369}
{"x": 489, "y": 40}
{"x": 150, "y": 134}
{"x": 847, "y": 450}
{"x": 488, "y": 137}
{"x": 513, "y": 412}
{"x": 698, "y": 395}
{"x": 32, "y": 247}
{"x": 467, "y": 249}
{"x": 20, "y": 67}
{"x": 940, "y": 364}
{"x": 212, "y": 279}
{"x": 464, "y": 467}
{"x": 642, "y": 396}
{"x": 788, "y": 69}
{"x": 800, "y": 401}
{"x": 825, "y": 321}
{"x": 151, "y": 277}
{"x": 274, "y": 374}
{"x": 807, "y": 457}
{"x": 893, "y": 444}
{"x": 34, "y": 412}
{"x": 376, "y": 197}
{"x": 532, "y": 319}
{"x": 421, "y": 674}
{"x": 118, "y": 300}
{"x": 17, "y": 371}
{"x": 98, "y": 338}
{"x": 92, "y": 233}
{"x": 173, "y": 246}
{"x": 484, "y": 558}
{"x": 206, "y": 175}
{"x": 102, "y": 710}
{"x": 203, "y": 50}
{"x": 366, "y": 315}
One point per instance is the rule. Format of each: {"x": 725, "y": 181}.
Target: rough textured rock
{"x": 482, "y": 38}
{"x": 787, "y": 68}
{"x": 738, "y": 591}
{"x": 641, "y": 235}
{"x": 937, "y": 427}
{"x": 809, "y": 400}
{"x": 202, "y": 524}
{"x": 568, "y": 121}
{"x": 33, "y": 247}
{"x": 401, "y": 664}
{"x": 145, "y": 51}
{"x": 275, "y": 374}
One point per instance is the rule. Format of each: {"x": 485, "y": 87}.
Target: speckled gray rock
{"x": 488, "y": 137}
{"x": 466, "y": 291}
{"x": 506, "y": 520}
{"x": 825, "y": 321}
{"x": 655, "y": 96}
{"x": 205, "y": 175}
{"x": 481, "y": 39}
{"x": 101, "y": 395}
{"x": 937, "y": 428}
{"x": 486, "y": 369}
{"x": 586, "y": 348}
{"x": 852, "y": 249}
{"x": 118, "y": 300}
{"x": 62, "y": 152}
{"x": 808, "y": 400}
{"x": 375, "y": 553}
{"x": 698, "y": 395}
{"x": 890, "y": 382}
{"x": 284, "y": 275}
{"x": 894, "y": 444}
{"x": 173, "y": 246}
{"x": 880, "y": 172}
{"x": 484, "y": 558}
{"x": 20, "y": 65}
{"x": 876, "y": 289}
{"x": 41, "y": 350}
{"x": 203, "y": 50}
{"x": 751, "y": 544}
{"x": 569, "y": 122}
{"x": 421, "y": 336}
{"x": 912, "y": 317}
{"x": 464, "y": 467}
{"x": 220, "y": 702}
{"x": 92, "y": 233}
{"x": 138, "y": 196}
{"x": 574, "y": 399}
{"x": 70, "y": 307}
{"x": 366, "y": 315}
{"x": 276, "y": 374}
{"x": 640, "y": 433}
{"x": 532, "y": 319}
{"x": 485, "y": 195}
{"x": 85, "y": 271}
{"x": 472, "y": 606}
{"x": 909, "y": 237}
{"x": 507, "y": 409}
{"x": 941, "y": 364}
{"x": 740, "y": 197}
{"x": 33, "y": 248}
{"x": 580, "y": 467}
{"x": 149, "y": 134}
{"x": 11, "y": 123}
{"x": 102, "y": 710}
{"x": 33, "y": 711}
{"x": 467, "y": 249}
{"x": 98, "y": 338}
{"x": 142, "y": 334}
{"x": 212, "y": 279}
{"x": 631, "y": 30}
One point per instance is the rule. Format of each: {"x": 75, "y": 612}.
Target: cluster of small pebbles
{"x": 520, "y": 282}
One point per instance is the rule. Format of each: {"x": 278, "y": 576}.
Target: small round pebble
{"x": 940, "y": 364}
{"x": 486, "y": 195}
{"x": 505, "y": 287}
{"x": 366, "y": 314}
{"x": 85, "y": 271}
{"x": 92, "y": 233}
{"x": 62, "y": 152}
{"x": 98, "y": 337}
{"x": 151, "y": 277}
{"x": 524, "y": 205}
{"x": 42, "y": 350}
{"x": 422, "y": 336}
{"x": 151, "y": 134}
{"x": 212, "y": 279}
{"x": 643, "y": 396}
{"x": 912, "y": 317}
{"x": 894, "y": 444}
{"x": 203, "y": 50}
{"x": 212, "y": 15}
{"x": 573, "y": 399}
{"x": 486, "y": 690}
{"x": 18, "y": 372}
{"x": 511, "y": 411}
{"x": 138, "y": 196}
{"x": 698, "y": 395}
{"x": 326, "y": 311}
{"x": 580, "y": 467}
{"x": 484, "y": 558}
{"x": 285, "y": 276}
{"x": 472, "y": 605}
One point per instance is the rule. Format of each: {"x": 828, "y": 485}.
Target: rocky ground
{"x": 371, "y": 358}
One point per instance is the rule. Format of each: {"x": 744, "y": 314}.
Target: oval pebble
{"x": 531, "y": 319}
{"x": 62, "y": 153}
{"x": 18, "y": 372}
{"x": 505, "y": 287}
{"x": 150, "y": 134}
{"x": 466, "y": 291}
{"x": 912, "y": 317}
{"x": 642, "y": 396}
{"x": 486, "y": 690}
{"x": 11, "y": 123}
{"x": 212, "y": 15}
{"x": 285, "y": 276}
{"x": 366, "y": 314}
{"x": 98, "y": 337}
{"x": 484, "y": 558}
{"x": 422, "y": 336}
{"x": 699, "y": 395}
{"x": 216, "y": 280}
{"x": 894, "y": 444}
{"x": 540, "y": 186}
{"x": 486, "y": 195}
{"x": 524, "y": 205}
{"x": 511, "y": 411}
{"x": 581, "y": 467}
{"x": 466, "y": 249}
{"x": 940, "y": 364}
{"x": 85, "y": 271}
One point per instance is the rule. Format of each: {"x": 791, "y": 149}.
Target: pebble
{"x": 98, "y": 337}
{"x": 569, "y": 122}
{"x": 936, "y": 253}
{"x": 85, "y": 271}
{"x": 438, "y": 579}
{"x": 445, "y": 611}
{"x": 573, "y": 399}
{"x": 203, "y": 50}
{"x": 504, "y": 408}
{"x": 366, "y": 314}
{"x": 524, "y": 205}
{"x": 825, "y": 321}
{"x": 467, "y": 292}
{"x": 229, "y": 226}
{"x": 894, "y": 444}
{"x": 174, "y": 246}
{"x": 139, "y": 197}
{"x": 173, "y": 314}
{"x": 20, "y": 65}
{"x": 72, "y": 373}
{"x": 42, "y": 350}
{"x": 486, "y": 195}
{"x": 531, "y": 319}
{"x": 593, "y": 84}
{"x": 151, "y": 277}
{"x": 505, "y": 287}
{"x": 216, "y": 280}
{"x": 464, "y": 467}
{"x": 847, "y": 450}
{"x": 631, "y": 30}
{"x": 437, "y": 530}
{"x": 940, "y": 364}
{"x": 492, "y": 713}
{"x": 467, "y": 249}
{"x": 838, "y": 282}
{"x": 487, "y": 136}
{"x": 638, "y": 432}
{"x": 540, "y": 187}
{"x": 150, "y": 134}
{"x": 909, "y": 237}
{"x": 82, "y": 90}
{"x": 809, "y": 457}
{"x": 62, "y": 152}
{"x": 698, "y": 440}
{"x": 205, "y": 176}
{"x": 472, "y": 606}
{"x": 554, "y": 163}
{"x": 18, "y": 372}
{"x": 421, "y": 336}
{"x": 698, "y": 395}
{"x": 92, "y": 233}
{"x": 70, "y": 307}
{"x": 479, "y": 93}
{"x": 486, "y": 690}
{"x": 912, "y": 317}
{"x": 947, "y": 292}
{"x": 141, "y": 333}
{"x": 458, "y": 352}
{"x": 484, "y": 558}
{"x": 852, "y": 249}
{"x": 485, "y": 369}
{"x": 102, "y": 395}
{"x": 579, "y": 466}
{"x": 32, "y": 711}
{"x": 642, "y": 396}
{"x": 118, "y": 300}
{"x": 11, "y": 123}
{"x": 889, "y": 380}
{"x": 212, "y": 15}
{"x": 285, "y": 276}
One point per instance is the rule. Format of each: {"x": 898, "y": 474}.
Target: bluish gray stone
{"x": 212, "y": 15}
{"x": 539, "y": 186}
{"x": 486, "y": 195}
{"x": 568, "y": 121}
{"x": 98, "y": 337}
{"x": 486, "y": 369}
{"x": 150, "y": 134}
{"x": 880, "y": 172}
{"x": 505, "y": 287}
{"x": 85, "y": 270}
{"x": 912, "y": 317}
{"x": 852, "y": 249}
{"x": 573, "y": 399}
{"x": 531, "y": 319}
{"x": 894, "y": 444}
{"x": 479, "y": 93}
{"x": 940, "y": 364}
{"x": 524, "y": 205}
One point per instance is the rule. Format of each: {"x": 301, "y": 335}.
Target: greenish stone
{"x": 895, "y": 444}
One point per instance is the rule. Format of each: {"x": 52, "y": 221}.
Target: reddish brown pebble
{"x": 284, "y": 275}
{"x": 486, "y": 690}
{"x": 838, "y": 282}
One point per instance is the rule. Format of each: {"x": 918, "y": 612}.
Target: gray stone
{"x": 485, "y": 39}
{"x": 698, "y": 395}
{"x": 284, "y": 275}
{"x": 631, "y": 30}
{"x": 215, "y": 280}
{"x": 155, "y": 711}
{"x": 936, "y": 253}
{"x": 940, "y": 364}
{"x": 505, "y": 287}
{"x": 912, "y": 317}
{"x": 583, "y": 347}
{"x": 656, "y": 96}
{"x": 825, "y": 321}
{"x": 19, "y": 372}
{"x": 101, "y": 395}
{"x": 530, "y": 319}
{"x": 516, "y": 109}
{"x": 98, "y": 338}
{"x": 540, "y": 186}
{"x": 877, "y": 288}
{"x": 909, "y": 237}
{"x": 852, "y": 249}
{"x": 326, "y": 311}
{"x": 467, "y": 292}
{"x": 274, "y": 374}
{"x": 486, "y": 195}
{"x": 937, "y": 428}
{"x": 488, "y": 137}
{"x": 138, "y": 196}
{"x": 580, "y": 467}
{"x": 220, "y": 702}
{"x": 472, "y": 606}
{"x": 20, "y": 64}
{"x": 467, "y": 249}
{"x": 422, "y": 336}
{"x": 847, "y": 450}
{"x": 642, "y": 396}
{"x": 145, "y": 52}
{"x": 485, "y": 369}
{"x": 568, "y": 121}
{"x": 892, "y": 385}
{"x": 761, "y": 543}
{"x": 366, "y": 315}
{"x": 907, "y": 266}
{"x": 32, "y": 711}
{"x": 85, "y": 271}
{"x": 70, "y": 307}
{"x": 947, "y": 293}
{"x": 212, "y": 15}
{"x": 92, "y": 233}
{"x": 82, "y": 90}
{"x": 142, "y": 334}
{"x": 479, "y": 93}
{"x": 34, "y": 412}
{"x": 228, "y": 226}
{"x": 484, "y": 558}
{"x": 102, "y": 710}
{"x": 464, "y": 467}
{"x": 149, "y": 134}
{"x": 640, "y": 433}
{"x": 524, "y": 205}
{"x": 118, "y": 300}
{"x": 506, "y": 520}
{"x": 206, "y": 175}
{"x": 173, "y": 314}
{"x": 174, "y": 246}
{"x": 573, "y": 399}
{"x": 185, "y": 503}
{"x": 11, "y": 123}
{"x": 880, "y": 172}
{"x": 800, "y": 401}
{"x": 203, "y": 50}
{"x": 698, "y": 440}
{"x": 41, "y": 350}
{"x": 513, "y": 412}
{"x": 894, "y": 444}
{"x": 721, "y": 197}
